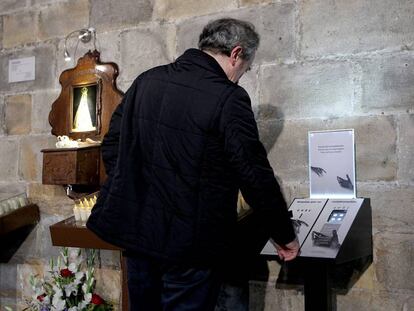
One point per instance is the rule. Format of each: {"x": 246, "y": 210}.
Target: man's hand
{"x": 289, "y": 251}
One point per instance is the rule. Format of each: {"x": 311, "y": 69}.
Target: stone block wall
{"x": 321, "y": 65}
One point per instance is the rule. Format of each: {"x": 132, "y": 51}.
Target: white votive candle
{"x": 83, "y": 214}
{"x": 76, "y": 212}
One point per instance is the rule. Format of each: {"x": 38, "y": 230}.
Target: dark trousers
{"x": 155, "y": 286}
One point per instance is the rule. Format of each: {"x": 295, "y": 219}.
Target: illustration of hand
{"x": 318, "y": 170}
{"x": 297, "y": 223}
{"x": 345, "y": 183}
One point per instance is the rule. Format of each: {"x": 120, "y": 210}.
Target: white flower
{"x": 57, "y": 290}
{"x": 88, "y": 298}
{"x": 74, "y": 309}
{"x": 72, "y": 267}
{"x": 79, "y": 276}
{"x": 69, "y": 289}
{"x": 73, "y": 252}
{"x": 75, "y": 257}
{"x": 58, "y": 302}
{"x": 82, "y": 305}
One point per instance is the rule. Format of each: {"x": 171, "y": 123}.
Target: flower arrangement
{"x": 69, "y": 287}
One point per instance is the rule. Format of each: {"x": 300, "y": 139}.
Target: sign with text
{"x": 22, "y": 69}
{"x": 332, "y": 164}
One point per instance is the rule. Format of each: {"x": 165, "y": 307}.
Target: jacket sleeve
{"x": 110, "y": 143}
{"x": 248, "y": 159}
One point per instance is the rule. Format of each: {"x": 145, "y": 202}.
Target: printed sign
{"x": 22, "y": 69}
{"x": 332, "y": 164}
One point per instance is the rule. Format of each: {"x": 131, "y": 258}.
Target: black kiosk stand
{"x": 336, "y": 248}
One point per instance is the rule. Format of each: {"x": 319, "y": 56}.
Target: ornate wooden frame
{"x": 88, "y": 71}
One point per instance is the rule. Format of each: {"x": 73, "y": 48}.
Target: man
{"x": 180, "y": 146}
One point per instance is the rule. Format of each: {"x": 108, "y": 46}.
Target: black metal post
{"x": 318, "y": 290}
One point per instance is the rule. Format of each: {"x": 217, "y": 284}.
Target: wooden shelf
{"x": 21, "y": 217}
{"x": 70, "y": 233}
{"x": 15, "y": 228}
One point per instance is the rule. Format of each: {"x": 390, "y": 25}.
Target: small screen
{"x": 336, "y": 216}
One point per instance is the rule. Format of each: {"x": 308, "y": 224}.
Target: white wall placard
{"x": 332, "y": 164}
{"x": 22, "y": 69}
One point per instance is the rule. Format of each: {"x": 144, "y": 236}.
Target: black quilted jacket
{"x": 181, "y": 144}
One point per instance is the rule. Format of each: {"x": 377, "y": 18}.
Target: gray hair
{"x": 223, "y": 35}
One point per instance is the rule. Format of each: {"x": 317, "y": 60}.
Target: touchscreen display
{"x": 336, "y": 216}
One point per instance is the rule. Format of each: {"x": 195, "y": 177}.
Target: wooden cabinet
{"x": 75, "y": 166}
{"x": 89, "y": 93}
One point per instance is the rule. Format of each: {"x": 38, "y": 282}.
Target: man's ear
{"x": 235, "y": 54}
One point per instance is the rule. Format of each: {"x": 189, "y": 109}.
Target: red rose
{"x": 41, "y": 297}
{"x": 97, "y": 300}
{"x": 66, "y": 273}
